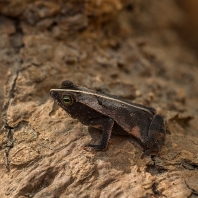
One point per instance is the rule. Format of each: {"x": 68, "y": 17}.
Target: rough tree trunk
{"x": 128, "y": 48}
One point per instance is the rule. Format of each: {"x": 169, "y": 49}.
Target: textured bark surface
{"x": 127, "y": 48}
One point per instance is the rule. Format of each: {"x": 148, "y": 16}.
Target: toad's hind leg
{"x": 156, "y": 135}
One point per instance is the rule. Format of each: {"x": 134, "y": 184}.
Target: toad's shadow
{"x": 122, "y": 152}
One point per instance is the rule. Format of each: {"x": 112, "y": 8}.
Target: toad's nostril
{"x": 53, "y": 93}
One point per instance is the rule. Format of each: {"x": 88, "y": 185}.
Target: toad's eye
{"x": 67, "y": 100}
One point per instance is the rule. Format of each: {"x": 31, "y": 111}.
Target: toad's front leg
{"x": 107, "y": 125}
{"x": 156, "y": 135}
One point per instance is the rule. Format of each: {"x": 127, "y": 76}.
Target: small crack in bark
{"x": 193, "y": 191}
{"x": 189, "y": 165}
{"x": 8, "y": 146}
{"x": 154, "y": 189}
{"x": 155, "y": 169}
{"x": 9, "y": 143}
{"x": 9, "y": 94}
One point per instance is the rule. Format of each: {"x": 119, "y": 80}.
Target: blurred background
{"x": 189, "y": 28}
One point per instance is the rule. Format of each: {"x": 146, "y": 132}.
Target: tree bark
{"x": 127, "y": 48}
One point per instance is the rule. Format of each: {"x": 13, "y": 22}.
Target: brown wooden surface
{"x": 124, "y": 48}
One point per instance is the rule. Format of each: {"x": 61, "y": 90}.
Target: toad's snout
{"x": 53, "y": 94}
